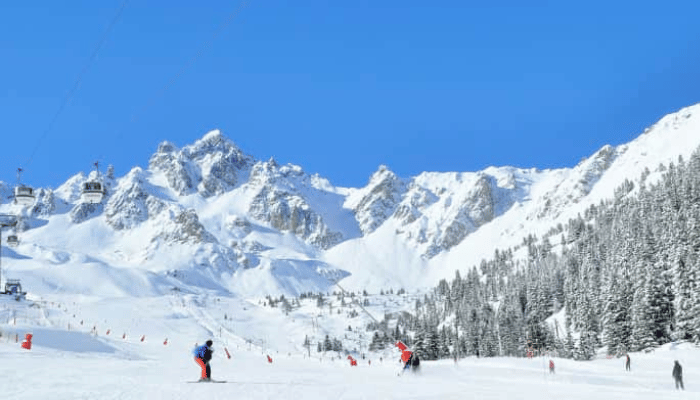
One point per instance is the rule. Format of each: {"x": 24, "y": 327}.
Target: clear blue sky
{"x": 340, "y": 87}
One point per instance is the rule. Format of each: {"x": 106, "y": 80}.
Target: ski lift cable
{"x": 81, "y": 75}
{"x": 358, "y": 304}
{"x": 386, "y": 331}
{"x": 118, "y": 134}
{"x": 204, "y": 46}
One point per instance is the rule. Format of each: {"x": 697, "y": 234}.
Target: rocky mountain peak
{"x": 166, "y": 147}
{"x": 375, "y": 203}
{"x": 223, "y": 209}
{"x": 213, "y": 142}
{"x": 210, "y": 166}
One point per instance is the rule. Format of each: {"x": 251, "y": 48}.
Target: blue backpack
{"x": 200, "y": 351}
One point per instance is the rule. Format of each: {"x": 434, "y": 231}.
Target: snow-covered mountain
{"x": 210, "y": 216}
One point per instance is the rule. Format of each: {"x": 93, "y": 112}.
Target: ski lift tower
{"x": 6, "y": 220}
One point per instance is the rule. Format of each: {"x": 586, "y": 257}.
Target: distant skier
{"x": 678, "y": 374}
{"x": 627, "y": 363}
{"x": 202, "y": 356}
{"x": 551, "y": 366}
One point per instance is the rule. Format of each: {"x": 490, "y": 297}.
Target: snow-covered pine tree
{"x": 419, "y": 342}
{"x": 684, "y": 285}
{"x": 569, "y": 345}
{"x": 432, "y": 345}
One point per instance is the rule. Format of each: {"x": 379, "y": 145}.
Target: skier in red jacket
{"x": 409, "y": 359}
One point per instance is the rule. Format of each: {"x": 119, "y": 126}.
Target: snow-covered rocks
{"x": 377, "y": 201}
{"x": 210, "y": 166}
{"x": 289, "y": 212}
{"x": 210, "y": 196}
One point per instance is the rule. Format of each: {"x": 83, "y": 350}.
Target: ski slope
{"x": 69, "y": 361}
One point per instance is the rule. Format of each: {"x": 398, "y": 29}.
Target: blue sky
{"x": 340, "y": 87}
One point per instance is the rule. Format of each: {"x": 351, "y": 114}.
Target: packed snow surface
{"x": 70, "y": 360}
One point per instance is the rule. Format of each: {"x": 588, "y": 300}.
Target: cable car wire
{"x": 74, "y": 88}
{"x": 191, "y": 61}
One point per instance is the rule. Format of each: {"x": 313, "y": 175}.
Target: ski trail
{"x": 195, "y": 308}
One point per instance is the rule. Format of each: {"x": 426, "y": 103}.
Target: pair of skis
{"x": 255, "y": 383}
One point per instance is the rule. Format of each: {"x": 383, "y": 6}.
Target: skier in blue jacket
{"x": 202, "y": 356}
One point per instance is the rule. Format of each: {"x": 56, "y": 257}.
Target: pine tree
{"x": 327, "y": 344}
{"x": 374, "y": 345}
{"x": 419, "y": 342}
{"x": 684, "y": 287}
{"x": 286, "y": 307}
{"x": 586, "y": 347}
{"x": 569, "y": 345}
{"x": 443, "y": 344}
{"x": 616, "y": 317}
{"x": 432, "y": 345}
{"x": 510, "y": 325}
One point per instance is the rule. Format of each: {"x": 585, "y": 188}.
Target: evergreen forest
{"x": 624, "y": 276}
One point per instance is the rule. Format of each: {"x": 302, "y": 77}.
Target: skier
{"x": 627, "y": 363}
{"x": 405, "y": 354}
{"x": 678, "y": 375}
{"x": 551, "y": 366}
{"x": 202, "y": 356}
{"x": 408, "y": 358}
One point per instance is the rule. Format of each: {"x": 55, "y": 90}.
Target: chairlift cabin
{"x": 14, "y": 288}
{"x": 12, "y": 240}
{"x": 92, "y": 192}
{"x": 24, "y": 195}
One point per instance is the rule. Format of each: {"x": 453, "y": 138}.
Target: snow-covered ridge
{"x": 209, "y": 215}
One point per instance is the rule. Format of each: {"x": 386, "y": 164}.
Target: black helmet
{"x": 209, "y": 343}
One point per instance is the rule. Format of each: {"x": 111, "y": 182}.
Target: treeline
{"x": 626, "y": 273}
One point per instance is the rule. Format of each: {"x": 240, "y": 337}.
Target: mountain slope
{"x": 208, "y": 216}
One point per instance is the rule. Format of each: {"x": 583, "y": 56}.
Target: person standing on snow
{"x": 678, "y": 375}
{"x": 408, "y": 358}
{"x": 551, "y": 366}
{"x": 627, "y": 363}
{"x": 202, "y": 356}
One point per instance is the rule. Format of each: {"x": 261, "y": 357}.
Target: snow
{"x": 495, "y": 208}
{"x": 73, "y": 364}
{"x": 124, "y": 281}
{"x": 569, "y": 191}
